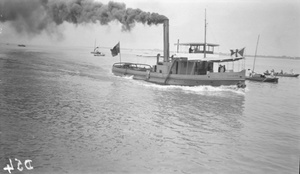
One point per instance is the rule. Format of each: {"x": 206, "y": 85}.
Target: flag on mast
{"x": 116, "y": 50}
{"x": 237, "y": 52}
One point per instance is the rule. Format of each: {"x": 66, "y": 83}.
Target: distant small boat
{"x": 283, "y": 74}
{"x": 96, "y": 52}
{"x": 22, "y": 45}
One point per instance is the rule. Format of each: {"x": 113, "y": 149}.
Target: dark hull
{"x": 263, "y": 79}
{"x": 211, "y": 79}
{"x": 99, "y": 54}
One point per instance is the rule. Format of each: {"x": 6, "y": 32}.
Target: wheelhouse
{"x": 196, "y": 48}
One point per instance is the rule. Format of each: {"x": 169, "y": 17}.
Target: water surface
{"x": 63, "y": 109}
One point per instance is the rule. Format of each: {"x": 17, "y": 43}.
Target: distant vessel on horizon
{"x": 282, "y": 74}
{"x": 21, "y": 45}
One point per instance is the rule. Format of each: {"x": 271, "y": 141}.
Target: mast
{"x": 178, "y": 46}
{"x": 255, "y": 53}
{"x": 205, "y": 36}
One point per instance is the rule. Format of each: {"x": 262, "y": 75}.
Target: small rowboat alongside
{"x": 262, "y": 78}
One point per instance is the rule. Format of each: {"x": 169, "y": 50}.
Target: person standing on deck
{"x": 190, "y": 49}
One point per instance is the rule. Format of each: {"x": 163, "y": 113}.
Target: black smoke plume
{"x": 35, "y": 16}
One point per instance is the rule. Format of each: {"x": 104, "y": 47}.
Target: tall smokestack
{"x": 166, "y": 40}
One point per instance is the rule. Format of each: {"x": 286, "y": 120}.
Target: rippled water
{"x": 63, "y": 109}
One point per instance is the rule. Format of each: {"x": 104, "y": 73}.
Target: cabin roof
{"x": 212, "y": 59}
{"x": 197, "y": 44}
{"x": 224, "y": 59}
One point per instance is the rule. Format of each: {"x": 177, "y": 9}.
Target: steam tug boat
{"x": 186, "y": 69}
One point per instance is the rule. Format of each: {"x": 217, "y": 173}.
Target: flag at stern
{"x": 116, "y": 50}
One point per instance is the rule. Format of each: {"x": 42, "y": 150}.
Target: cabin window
{"x": 201, "y": 48}
{"x": 201, "y": 68}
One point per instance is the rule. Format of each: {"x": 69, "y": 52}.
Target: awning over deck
{"x": 197, "y": 44}
{"x": 211, "y": 59}
{"x": 225, "y": 59}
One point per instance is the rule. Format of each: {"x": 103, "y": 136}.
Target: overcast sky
{"x": 231, "y": 23}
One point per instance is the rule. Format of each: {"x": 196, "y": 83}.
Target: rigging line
{"x": 255, "y": 53}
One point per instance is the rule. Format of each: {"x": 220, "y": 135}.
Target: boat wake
{"x": 189, "y": 89}
{"x": 198, "y": 89}
{"x": 128, "y": 77}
